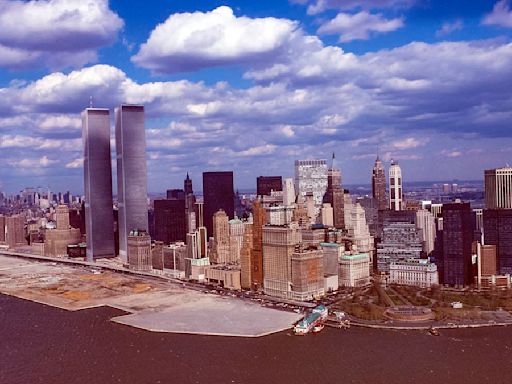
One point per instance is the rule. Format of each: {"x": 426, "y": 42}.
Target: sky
{"x": 251, "y": 86}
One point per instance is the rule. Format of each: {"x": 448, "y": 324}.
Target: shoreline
{"x": 163, "y": 326}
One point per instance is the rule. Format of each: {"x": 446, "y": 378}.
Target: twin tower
{"x": 131, "y": 178}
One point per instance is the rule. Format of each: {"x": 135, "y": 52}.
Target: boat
{"x": 434, "y": 331}
{"x": 317, "y": 328}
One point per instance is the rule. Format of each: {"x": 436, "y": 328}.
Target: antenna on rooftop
{"x": 90, "y": 101}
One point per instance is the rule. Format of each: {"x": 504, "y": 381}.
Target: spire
{"x": 333, "y": 161}
{"x": 188, "y": 178}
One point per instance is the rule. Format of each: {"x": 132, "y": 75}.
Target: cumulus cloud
{"x": 76, "y": 163}
{"x": 359, "y": 26}
{"x": 319, "y": 6}
{"x": 191, "y": 41}
{"x": 501, "y": 15}
{"x": 59, "y": 33}
{"x": 449, "y": 27}
{"x": 42, "y": 162}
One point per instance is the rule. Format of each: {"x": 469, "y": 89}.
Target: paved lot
{"x": 155, "y": 306}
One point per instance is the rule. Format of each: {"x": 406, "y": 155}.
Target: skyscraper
{"x": 458, "y": 226}
{"x": 139, "y": 250}
{"x": 498, "y": 232}
{"x": 395, "y": 187}
{"x": 498, "y": 188}
{"x": 259, "y": 219}
{"x": 218, "y": 194}
{"x": 170, "y": 220}
{"x": 266, "y": 184}
{"x": 131, "y": 173}
{"x": 221, "y": 251}
{"x": 334, "y": 194}
{"x": 311, "y": 177}
{"x": 379, "y": 184}
{"x": 99, "y": 217}
{"x": 288, "y": 192}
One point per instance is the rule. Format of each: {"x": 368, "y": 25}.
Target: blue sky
{"x": 251, "y": 86}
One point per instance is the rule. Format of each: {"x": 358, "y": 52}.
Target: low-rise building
{"x": 417, "y": 272}
{"x": 354, "y": 270}
{"x": 227, "y": 275}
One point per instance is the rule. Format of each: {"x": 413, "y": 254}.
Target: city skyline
{"x": 401, "y": 79}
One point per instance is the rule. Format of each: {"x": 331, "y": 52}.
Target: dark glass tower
{"x": 266, "y": 184}
{"x": 334, "y": 194}
{"x": 131, "y": 173}
{"x": 498, "y": 232}
{"x": 170, "y": 220}
{"x": 218, "y": 194}
{"x": 458, "y": 227}
{"x": 99, "y": 219}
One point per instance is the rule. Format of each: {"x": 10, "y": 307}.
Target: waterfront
{"x": 42, "y": 344}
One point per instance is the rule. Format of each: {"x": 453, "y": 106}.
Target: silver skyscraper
{"x": 99, "y": 218}
{"x": 131, "y": 173}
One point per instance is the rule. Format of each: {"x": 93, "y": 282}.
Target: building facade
{"x": 266, "y": 184}
{"x": 218, "y": 194}
{"x": 498, "y": 188}
{"x": 99, "y": 217}
{"x": 170, "y": 220}
{"x": 379, "y": 185}
{"x": 311, "y": 177}
{"x": 417, "y": 272}
{"x": 139, "y": 251}
{"x": 396, "y": 200}
{"x": 497, "y": 225}
{"x": 354, "y": 270}
{"x": 132, "y": 186}
{"x": 307, "y": 273}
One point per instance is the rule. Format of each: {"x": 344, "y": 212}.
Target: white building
{"x": 426, "y": 223}
{"x": 279, "y": 214}
{"x": 395, "y": 187}
{"x": 311, "y": 176}
{"x": 357, "y": 228}
{"x": 327, "y": 215}
{"x": 418, "y": 272}
{"x": 354, "y": 270}
{"x": 288, "y": 192}
{"x": 498, "y": 188}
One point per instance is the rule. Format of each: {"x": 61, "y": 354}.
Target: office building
{"x": 400, "y": 241}
{"x": 357, "y": 229}
{"x": 58, "y": 239}
{"x": 99, "y": 218}
{"x": 311, "y": 177}
{"x": 266, "y": 184}
{"x": 218, "y": 194}
{"x": 458, "y": 226}
{"x": 334, "y": 194}
{"x": 332, "y": 253}
{"x": 425, "y": 222}
{"x": 139, "y": 250}
{"x": 278, "y": 247}
{"x": 498, "y": 188}
{"x": 379, "y": 185}
{"x": 236, "y": 238}
{"x": 395, "y": 187}
{"x": 170, "y": 220}
{"x": 15, "y": 231}
{"x": 221, "y": 243}
{"x": 354, "y": 270}
{"x": 132, "y": 192}
{"x": 289, "y": 196}
{"x": 307, "y": 273}
{"x": 259, "y": 218}
{"x": 245, "y": 257}
{"x": 497, "y": 225}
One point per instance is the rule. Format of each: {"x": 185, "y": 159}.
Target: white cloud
{"x": 501, "y": 15}
{"x": 319, "y": 6}
{"x": 58, "y": 33}
{"x": 42, "y": 162}
{"x": 76, "y": 163}
{"x": 190, "y": 41}
{"x": 449, "y": 27}
{"x": 408, "y": 143}
{"x": 359, "y": 26}
{"x": 60, "y": 122}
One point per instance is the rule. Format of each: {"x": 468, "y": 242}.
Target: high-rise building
{"x": 334, "y": 194}
{"x": 354, "y": 270}
{"x": 357, "y": 229}
{"x": 2, "y": 229}
{"x": 307, "y": 273}
{"x": 458, "y": 226}
{"x": 99, "y": 219}
{"x": 278, "y": 247}
{"x": 132, "y": 187}
{"x": 236, "y": 238}
{"x": 187, "y": 186}
{"x": 498, "y": 188}
{"x": 395, "y": 187}
{"x": 266, "y": 184}
{"x": 218, "y": 194}
{"x": 221, "y": 248}
{"x": 58, "y": 239}
{"x": 245, "y": 257}
{"x": 139, "y": 250}
{"x": 170, "y": 220}
{"x": 311, "y": 177}
{"x": 400, "y": 241}
{"x": 379, "y": 185}
{"x": 498, "y": 232}
{"x": 259, "y": 218}
{"x": 288, "y": 192}
{"x": 425, "y": 222}
{"x": 15, "y": 231}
